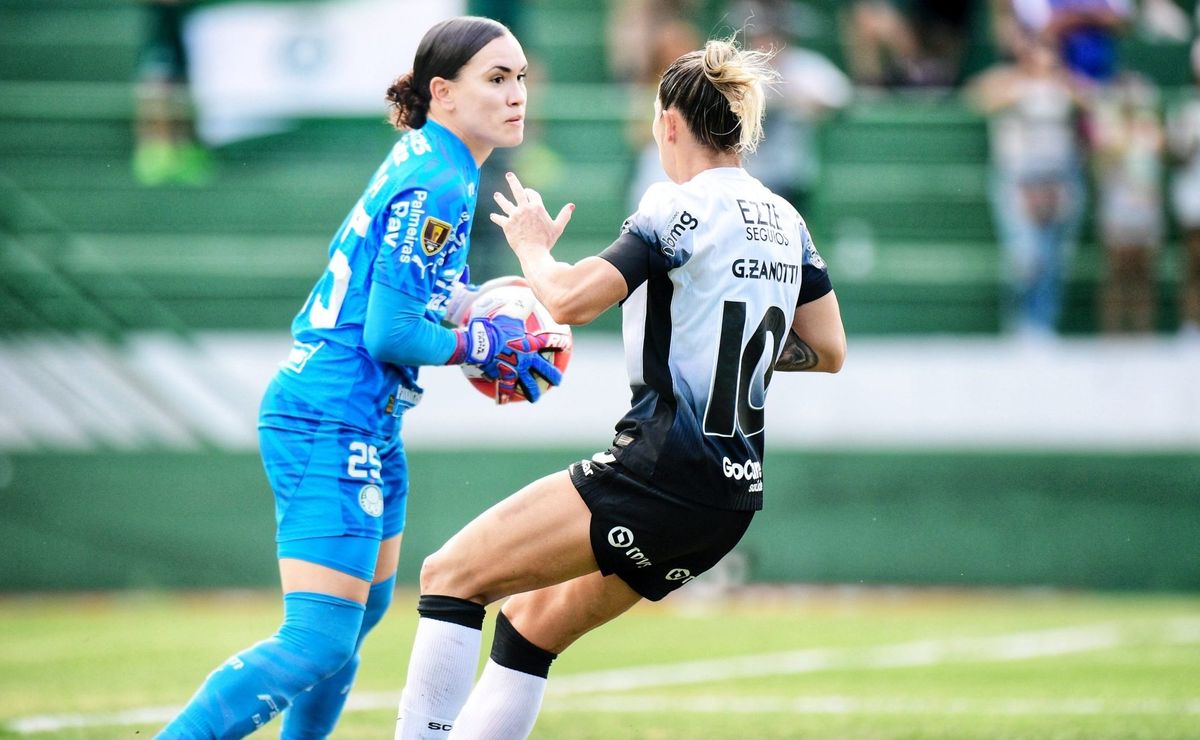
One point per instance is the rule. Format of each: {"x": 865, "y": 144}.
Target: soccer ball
{"x": 517, "y": 300}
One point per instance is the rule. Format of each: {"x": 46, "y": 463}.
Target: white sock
{"x": 503, "y": 706}
{"x": 441, "y": 670}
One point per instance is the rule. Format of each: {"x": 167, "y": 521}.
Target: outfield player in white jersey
{"x": 720, "y": 285}
{"x": 329, "y": 427}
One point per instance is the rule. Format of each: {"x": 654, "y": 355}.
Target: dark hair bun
{"x": 408, "y": 106}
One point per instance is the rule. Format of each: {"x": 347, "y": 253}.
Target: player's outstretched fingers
{"x": 520, "y": 197}
{"x": 564, "y": 217}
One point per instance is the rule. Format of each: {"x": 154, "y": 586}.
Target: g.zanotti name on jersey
{"x": 748, "y": 267}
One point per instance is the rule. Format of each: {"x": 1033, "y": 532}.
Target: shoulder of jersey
{"x": 426, "y": 167}
{"x": 659, "y": 195}
{"x": 792, "y": 210}
{"x": 413, "y": 152}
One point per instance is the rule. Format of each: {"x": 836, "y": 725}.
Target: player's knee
{"x": 539, "y": 621}
{"x": 435, "y": 570}
{"x": 327, "y": 653}
{"x": 446, "y": 575}
{"x": 321, "y": 632}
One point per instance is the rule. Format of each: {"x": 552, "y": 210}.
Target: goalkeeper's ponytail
{"x": 409, "y": 107}
{"x": 443, "y": 51}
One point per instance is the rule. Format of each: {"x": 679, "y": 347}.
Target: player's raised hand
{"x": 526, "y": 222}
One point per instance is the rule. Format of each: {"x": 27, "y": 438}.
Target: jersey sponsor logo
{"x": 413, "y": 143}
{"x": 682, "y": 224}
{"x": 402, "y": 232}
{"x": 272, "y": 710}
{"x": 358, "y": 223}
{"x": 749, "y": 470}
{"x": 370, "y": 500}
{"x": 814, "y": 258}
{"x": 434, "y": 235}
{"x": 756, "y": 269}
{"x": 402, "y": 400}
{"x": 300, "y": 355}
{"x": 679, "y": 574}
{"x": 621, "y": 538}
{"x": 442, "y": 288}
{"x": 759, "y": 213}
{"x": 380, "y": 180}
{"x": 762, "y": 222}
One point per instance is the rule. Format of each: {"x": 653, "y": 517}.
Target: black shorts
{"x": 654, "y": 541}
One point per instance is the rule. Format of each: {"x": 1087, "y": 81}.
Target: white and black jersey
{"x": 715, "y": 269}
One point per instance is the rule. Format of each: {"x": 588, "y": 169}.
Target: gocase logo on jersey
{"x": 750, "y": 470}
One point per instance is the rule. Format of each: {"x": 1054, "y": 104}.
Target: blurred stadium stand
{"x": 901, "y": 215}
{"x": 902, "y": 211}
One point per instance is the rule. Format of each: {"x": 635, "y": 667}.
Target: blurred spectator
{"x": 1085, "y": 32}
{"x": 1037, "y": 183}
{"x": 643, "y": 39}
{"x": 641, "y": 34}
{"x": 1163, "y": 19}
{"x": 1184, "y": 138}
{"x": 810, "y": 86}
{"x": 1128, "y": 145}
{"x": 921, "y": 45}
{"x": 165, "y": 147}
{"x": 788, "y": 159}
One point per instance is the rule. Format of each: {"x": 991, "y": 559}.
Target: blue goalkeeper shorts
{"x": 330, "y": 481}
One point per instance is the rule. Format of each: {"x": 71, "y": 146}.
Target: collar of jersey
{"x": 719, "y": 172}
{"x": 454, "y": 146}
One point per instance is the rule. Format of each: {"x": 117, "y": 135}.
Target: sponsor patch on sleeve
{"x": 434, "y": 235}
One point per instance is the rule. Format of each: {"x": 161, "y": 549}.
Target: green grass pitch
{"x": 799, "y": 663}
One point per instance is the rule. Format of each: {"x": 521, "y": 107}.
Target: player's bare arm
{"x": 817, "y": 340}
{"x": 574, "y": 294}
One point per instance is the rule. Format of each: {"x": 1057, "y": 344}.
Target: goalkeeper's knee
{"x": 320, "y": 632}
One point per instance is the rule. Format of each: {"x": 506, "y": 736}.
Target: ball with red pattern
{"x": 519, "y": 302}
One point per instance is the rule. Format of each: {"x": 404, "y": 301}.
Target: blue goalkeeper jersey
{"x": 409, "y": 231}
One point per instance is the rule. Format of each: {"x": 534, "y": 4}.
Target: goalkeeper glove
{"x": 506, "y": 353}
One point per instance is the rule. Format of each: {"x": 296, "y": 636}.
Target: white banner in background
{"x": 256, "y": 65}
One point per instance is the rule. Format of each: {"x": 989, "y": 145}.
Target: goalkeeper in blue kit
{"x": 330, "y": 421}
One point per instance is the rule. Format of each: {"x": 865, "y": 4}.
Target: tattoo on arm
{"x": 796, "y": 355}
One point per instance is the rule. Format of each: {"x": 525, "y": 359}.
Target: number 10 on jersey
{"x": 740, "y": 369}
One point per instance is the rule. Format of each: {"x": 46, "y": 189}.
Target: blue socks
{"x": 315, "y": 712}
{"x": 320, "y": 633}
